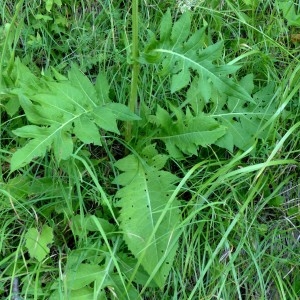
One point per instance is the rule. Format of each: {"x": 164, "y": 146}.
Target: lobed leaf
{"x": 182, "y": 53}
{"x": 62, "y": 111}
{"x": 143, "y": 198}
{"x": 244, "y": 121}
{"x": 186, "y": 134}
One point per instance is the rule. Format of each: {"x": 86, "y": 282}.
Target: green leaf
{"x": 214, "y": 52}
{"x": 121, "y": 112}
{"x": 166, "y": 25}
{"x": 105, "y": 116}
{"x": 25, "y": 78}
{"x": 198, "y": 95}
{"x": 102, "y": 88}
{"x": 10, "y": 102}
{"x": 180, "y": 80}
{"x": 57, "y": 75}
{"x": 143, "y": 199}
{"x": 34, "y": 114}
{"x": 37, "y": 242}
{"x": 183, "y": 52}
{"x": 18, "y": 186}
{"x": 31, "y": 131}
{"x": 79, "y": 80}
{"x": 127, "y": 266}
{"x": 43, "y": 17}
{"x": 82, "y": 275}
{"x": 181, "y": 29}
{"x": 252, "y": 3}
{"x": 196, "y": 41}
{"x": 187, "y": 133}
{"x": 81, "y": 225}
{"x": 117, "y": 289}
{"x": 87, "y": 131}
{"x": 62, "y": 145}
{"x": 105, "y": 119}
{"x": 244, "y": 120}
{"x": 289, "y": 13}
{"x": 63, "y": 111}
{"x": 34, "y": 148}
{"x": 85, "y": 293}
{"x": 49, "y": 4}
{"x": 153, "y": 159}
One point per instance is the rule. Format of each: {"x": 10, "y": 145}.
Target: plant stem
{"x": 135, "y": 67}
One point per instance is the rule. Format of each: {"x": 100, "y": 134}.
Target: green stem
{"x": 135, "y": 67}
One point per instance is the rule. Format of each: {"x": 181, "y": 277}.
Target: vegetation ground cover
{"x": 149, "y": 149}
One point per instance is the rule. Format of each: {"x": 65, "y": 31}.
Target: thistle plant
{"x": 115, "y": 223}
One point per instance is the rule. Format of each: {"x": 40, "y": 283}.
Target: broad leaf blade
{"x": 62, "y": 145}
{"x": 187, "y": 133}
{"x": 87, "y": 131}
{"x": 180, "y": 80}
{"x": 118, "y": 288}
{"x": 68, "y": 108}
{"x": 143, "y": 199}
{"x": 105, "y": 119}
{"x": 245, "y": 120}
{"x": 37, "y": 242}
{"x": 121, "y": 112}
{"x": 79, "y": 80}
{"x": 181, "y": 29}
{"x": 85, "y": 293}
{"x": 181, "y": 53}
{"x": 102, "y": 88}
{"x": 34, "y": 148}
{"x": 166, "y": 25}
{"x": 83, "y": 275}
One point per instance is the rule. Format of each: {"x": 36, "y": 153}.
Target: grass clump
{"x": 149, "y": 150}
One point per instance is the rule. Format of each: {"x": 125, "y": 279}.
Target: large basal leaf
{"x": 226, "y": 112}
{"x": 184, "y": 135}
{"x": 186, "y": 56}
{"x": 62, "y": 111}
{"x": 143, "y": 199}
{"x": 244, "y": 121}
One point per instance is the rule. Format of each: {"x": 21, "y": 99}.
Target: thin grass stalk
{"x": 223, "y": 240}
{"x": 7, "y": 38}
